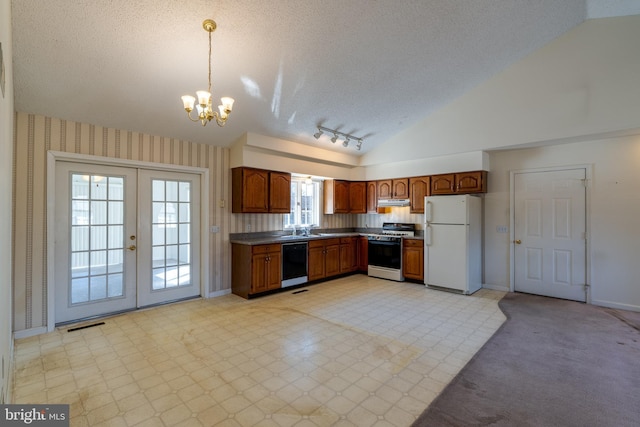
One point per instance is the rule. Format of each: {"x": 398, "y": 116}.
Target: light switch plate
{"x": 215, "y": 229}
{"x": 502, "y": 229}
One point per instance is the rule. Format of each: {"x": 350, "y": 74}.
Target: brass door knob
{"x": 132, "y": 248}
{"x": 517, "y": 242}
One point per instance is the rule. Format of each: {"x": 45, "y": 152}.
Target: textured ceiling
{"x": 366, "y": 67}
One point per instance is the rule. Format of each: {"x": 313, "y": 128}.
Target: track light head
{"x": 359, "y": 145}
{"x": 346, "y": 142}
{"x": 318, "y": 134}
{"x": 335, "y": 138}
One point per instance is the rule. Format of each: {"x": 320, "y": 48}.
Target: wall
{"x": 35, "y": 135}
{"x": 585, "y": 82}
{"x": 614, "y": 201}
{"x": 6, "y": 156}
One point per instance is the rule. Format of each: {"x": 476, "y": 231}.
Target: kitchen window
{"x": 305, "y": 203}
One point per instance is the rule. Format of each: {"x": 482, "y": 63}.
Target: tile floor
{"x": 356, "y": 351}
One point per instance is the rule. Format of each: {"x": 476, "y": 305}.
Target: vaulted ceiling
{"x": 370, "y": 68}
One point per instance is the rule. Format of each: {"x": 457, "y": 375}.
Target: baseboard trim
{"x": 26, "y": 333}
{"x": 616, "y": 305}
{"x": 219, "y": 293}
{"x": 495, "y": 287}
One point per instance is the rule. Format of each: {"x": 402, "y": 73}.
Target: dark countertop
{"x": 272, "y": 237}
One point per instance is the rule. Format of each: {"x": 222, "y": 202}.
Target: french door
{"x": 124, "y": 238}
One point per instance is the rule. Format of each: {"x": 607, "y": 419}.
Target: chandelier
{"x": 204, "y": 109}
{"x": 334, "y": 138}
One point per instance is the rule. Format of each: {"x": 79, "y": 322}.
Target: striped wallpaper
{"x": 35, "y": 135}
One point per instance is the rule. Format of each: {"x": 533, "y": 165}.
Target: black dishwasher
{"x": 294, "y": 264}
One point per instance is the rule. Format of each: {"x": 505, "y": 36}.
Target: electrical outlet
{"x": 502, "y": 229}
{"x": 248, "y": 228}
{"x": 222, "y": 203}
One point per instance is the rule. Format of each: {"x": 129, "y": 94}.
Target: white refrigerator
{"x": 453, "y": 243}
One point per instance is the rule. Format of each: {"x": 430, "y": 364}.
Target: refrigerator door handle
{"x": 428, "y": 206}
{"x": 427, "y": 235}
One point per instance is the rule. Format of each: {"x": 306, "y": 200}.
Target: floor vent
{"x": 85, "y": 326}
{"x": 300, "y": 291}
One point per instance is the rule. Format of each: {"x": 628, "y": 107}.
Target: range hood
{"x": 383, "y": 203}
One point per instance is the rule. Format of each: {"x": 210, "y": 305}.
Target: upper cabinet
{"x": 358, "y": 197}
{"x": 336, "y": 196}
{"x": 279, "y": 192}
{"x": 260, "y": 191}
{"x": 372, "y": 197}
{"x": 419, "y": 187}
{"x": 393, "y": 188}
{"x": 459, "y": 183}
{"x": 345, "y": 196}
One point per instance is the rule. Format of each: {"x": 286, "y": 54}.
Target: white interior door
{"x": 124, "y": 238}
{"x": 550, "y": 233}
{"x": 95, "y": 271}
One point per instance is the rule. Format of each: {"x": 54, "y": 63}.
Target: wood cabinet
{"x": 393, "y": 188}
{"x": 419, "y": 187}
{"x": 279, "y": 192}
{"x": 459, "y": 183}
{"x": 358, "y": 197}
{"x": 255, "y": 269}
{"x": 324, "y": 258}
{"x": 363, "y": 254}
{"x": 348, "y": 254}
{"x": 413, "y": 259}
{"x": 260, "y": 191}
{"x": 372, "y": 197}
{"x": 336, "y": 196}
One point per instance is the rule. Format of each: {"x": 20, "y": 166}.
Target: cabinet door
{"x": 348, "y": 255}
{"x": 443, "y": 184}
{"x": 259, "y": 268}
{"x": 250, "y": 190}
{"x": 363, "y": 254}
{"x": 273, "y": 275}
{"x": 385, "y": 189}
{"x": 279, "y": 192}
{"x": 413, "y": 259}
{"x": 341, "y": 196}
{"x": 316, "y": 262}
{"x": 372, "y": 197}
{"x": 358, "y": 197}
{"x": 419, "y": 187}
{"x": 471, "y": 182}
{"x": 400, "y": 188}
{"x": 332, "y": 260}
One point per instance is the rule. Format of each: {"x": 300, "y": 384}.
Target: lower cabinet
{"x": 348, "y": 254}
{"x": 413, "y": 259}
{"x": 363, "y": 254}
{"x": 255, "y": 269}
{"x": 324, "y": 258}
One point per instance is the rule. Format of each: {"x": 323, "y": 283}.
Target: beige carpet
{"x": 552, "y": 363}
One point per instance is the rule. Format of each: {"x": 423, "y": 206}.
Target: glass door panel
{"x": 171, "y": 209}
{"x": 95, "y": 210}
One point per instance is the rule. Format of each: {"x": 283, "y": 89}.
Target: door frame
{"x": 53, "y": 157}
{"x": 588, "y": 168}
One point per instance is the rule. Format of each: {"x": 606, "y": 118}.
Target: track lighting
{"x": 334, "y": 138}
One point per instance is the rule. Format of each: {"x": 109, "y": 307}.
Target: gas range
{"x": 394, "y": 231}
{"x": 385, "y": 250}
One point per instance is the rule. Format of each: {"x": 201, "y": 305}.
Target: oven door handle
{"x": 427, "y": 235}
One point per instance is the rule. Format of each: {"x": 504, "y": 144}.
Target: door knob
{"x": 517, "y": 242}
{"x": 132, "y": 248}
